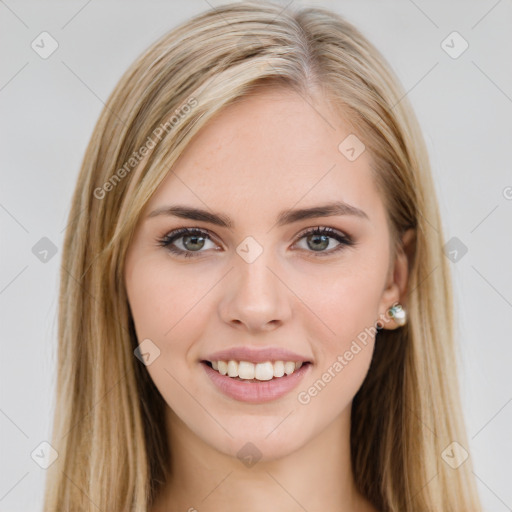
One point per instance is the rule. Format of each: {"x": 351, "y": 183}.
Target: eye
{"x": 317, "y": 239}
{"x": 189, "y": 242}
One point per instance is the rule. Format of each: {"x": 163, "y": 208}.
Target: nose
{"x": 256, "y": 297}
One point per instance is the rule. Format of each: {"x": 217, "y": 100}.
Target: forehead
{"x": 271, "y": 150}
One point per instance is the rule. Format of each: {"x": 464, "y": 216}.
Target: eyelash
{"x": 167, "y": 240}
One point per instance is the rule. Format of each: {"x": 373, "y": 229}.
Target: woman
{"x": 255, "y": 309}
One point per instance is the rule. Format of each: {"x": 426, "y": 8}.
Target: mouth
{"x": 245, "y": 381}
{"x": 255, "y": 372}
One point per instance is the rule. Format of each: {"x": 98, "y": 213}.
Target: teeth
{"x": 246, "y": 370}
{"x": 264, "y": 371}
{"x": 278, "y": 369}
{"x": 289, "y": 367}
{"x": 223, "y": 367}
{"x": 232, "y": 369}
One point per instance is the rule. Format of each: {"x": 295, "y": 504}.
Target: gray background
{"x": 49, "y": 107}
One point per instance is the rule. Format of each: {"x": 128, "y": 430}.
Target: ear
{"x": 398, "y": 277}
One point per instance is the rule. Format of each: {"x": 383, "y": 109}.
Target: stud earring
{"x": 398, "y": 314}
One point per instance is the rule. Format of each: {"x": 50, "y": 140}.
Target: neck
{"x": 317, "y": 476}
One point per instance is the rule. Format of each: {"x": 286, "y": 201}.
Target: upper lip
{"x": 256, "y": 355}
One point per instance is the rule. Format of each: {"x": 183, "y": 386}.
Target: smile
{"x": 245, "y": 370}
{"x": 255, "y": 382}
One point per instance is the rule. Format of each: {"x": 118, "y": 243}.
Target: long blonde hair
{"x": 108, "y": 426}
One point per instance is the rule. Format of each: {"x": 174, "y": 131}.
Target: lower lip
{"x": 256, "y": 392}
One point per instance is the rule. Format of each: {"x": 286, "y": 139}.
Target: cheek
{"x": 345, "y": 300}
{"x": 161, "y": 301}
{"x": 166, "y": 309}
{"x": 344, "y": 358}
{"x": 347, "y": 304}
{"x": 355, "y": 307}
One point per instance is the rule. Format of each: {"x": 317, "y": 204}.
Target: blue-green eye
{"x": 319, "y": 239}
{"x": 193, "y": 240}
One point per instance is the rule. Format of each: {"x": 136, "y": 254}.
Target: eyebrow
{"x": 285, "y": 217}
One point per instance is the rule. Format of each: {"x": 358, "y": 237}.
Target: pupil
{"x": 194, "y": 238}
{"x": 325, "y": 241}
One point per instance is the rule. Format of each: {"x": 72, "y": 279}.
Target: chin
{"x": 255, "y": 444}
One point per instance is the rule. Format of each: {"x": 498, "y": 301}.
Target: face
{"x": 261, "y": 281}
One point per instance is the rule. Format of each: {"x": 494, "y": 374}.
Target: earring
{"x": 398, "y": 313}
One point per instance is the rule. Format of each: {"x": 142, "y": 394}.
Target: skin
{"x": 270, "y": 152}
